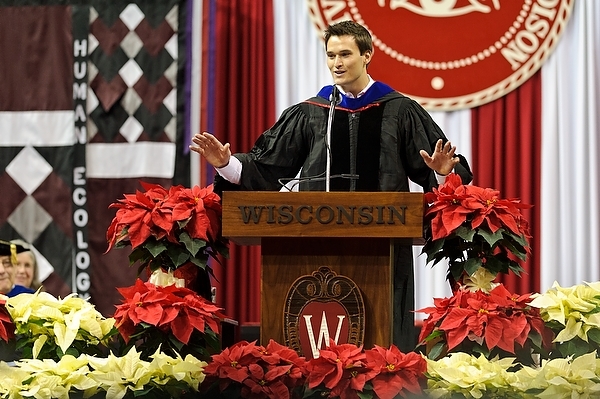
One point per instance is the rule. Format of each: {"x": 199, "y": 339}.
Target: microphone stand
{"x": 334, "y": 101}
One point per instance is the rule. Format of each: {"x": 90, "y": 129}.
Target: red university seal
{"x": 453, "y": 54}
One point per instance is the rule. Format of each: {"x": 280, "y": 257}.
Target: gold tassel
{"x": 13, "y": 254}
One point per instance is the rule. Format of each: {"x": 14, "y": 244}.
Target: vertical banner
{"x": 81, "y": 258}
{"x": 37, "y": 135}
{"x": 134, "y": 121}
{"x": 91, "y": 103}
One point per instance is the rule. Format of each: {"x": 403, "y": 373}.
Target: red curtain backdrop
{"x": 238, "y": 104}
{"x": 506, "y": 141}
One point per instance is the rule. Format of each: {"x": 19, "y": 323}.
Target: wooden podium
{"x": 352, "y": 233}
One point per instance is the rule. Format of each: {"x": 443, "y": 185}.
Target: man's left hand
{"x": 442, "y": 160}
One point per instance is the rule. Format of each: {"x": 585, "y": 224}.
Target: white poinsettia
{"x": 472, "y": 377}
{"x": 72, "y": 371}
{"x": 190, "y": 370}
{"x": 44, "y": 318}
{"x": 576, "y": 308}
{"x": 568, "y": 378}
{"x": 481, "y": 280}
{"x": 116, "y": 375}
{"x": 162, "y": 279}
{"x": 113, "y": 375}
{"x": 522, "y": 378}
{"x": 11, "y": 380}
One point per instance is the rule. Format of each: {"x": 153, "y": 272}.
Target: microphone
{"x": 335, "y": 97}
{"x": 297, "y": 180}
{"x": 334, "y": 100}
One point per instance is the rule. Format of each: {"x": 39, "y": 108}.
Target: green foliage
{"x": 469, "y": 249}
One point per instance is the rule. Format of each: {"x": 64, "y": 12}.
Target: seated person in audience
{"x": 26, "y": 270}
{"x": 8, "y": 261}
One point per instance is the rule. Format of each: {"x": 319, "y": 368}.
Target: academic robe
{"x": 19, "y": 289}
{"x": 378, "y": 137}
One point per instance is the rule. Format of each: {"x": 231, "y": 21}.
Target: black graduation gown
{"x": 377, "y": 137}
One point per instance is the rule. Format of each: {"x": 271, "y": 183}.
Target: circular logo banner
{"x": 453, "y": 54}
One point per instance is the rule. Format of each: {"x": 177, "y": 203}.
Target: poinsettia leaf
{"x": 516, "y": 268}
{"x": 177, "y": 256}
{"x": 437, "y": 351}
{"x": 481, "y": 350}
{"x": 489, "y": 237}
{"x": 200, "y": 260}
{"x": 434, "y": 334}
{"x": 155, "y": 247}
{"x": 501, "y": 264}
{"x": 433, "y": 246}
{"x": 183, "y": 223}
{"x": 192, "y": 245}
{"x": 465, "y": 233}
{"x": 215, "y": 255}
{"x": 122, "y": 244}
{"x": 176, "y": 342}
{"x": 520, "y": 239}
{"x": 594, "y": 335}
{"x": 472, "y": 264}
{"x": 222, "y": 248}
{"x": 364, "y": 395}
{"x": 212, "y": 341}
{"x": 141, "y": 268}
{"x": 456, "y": 269}
{"x": 574, "y": 348}
{"x": 596, "y": 309}
{"x": 146, "y": 393}
{"x": 138, "y": 254}
{"x": 435, "y": 258}
{"x": 517, "y": 250}
{"x": 535, "y": 338}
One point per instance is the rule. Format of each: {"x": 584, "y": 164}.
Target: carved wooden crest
{"x": 321, "y": 306}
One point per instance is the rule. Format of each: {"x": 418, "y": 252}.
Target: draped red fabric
{"x": 242, "y": 106}
{"x": 506, "y": 155}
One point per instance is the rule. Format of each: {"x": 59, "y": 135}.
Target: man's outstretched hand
{"x": 442, "y": 160}
{"x": 215, "y": 153}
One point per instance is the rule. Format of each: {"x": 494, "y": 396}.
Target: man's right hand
{"x": 211, "y": 149}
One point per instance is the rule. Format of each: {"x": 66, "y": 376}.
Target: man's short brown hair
{"x": 361, "y": 35}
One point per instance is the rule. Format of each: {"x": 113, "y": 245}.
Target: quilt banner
{"x": 90, "y": 105}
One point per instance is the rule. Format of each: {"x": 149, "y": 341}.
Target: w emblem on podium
{"x": 323, "y": 306}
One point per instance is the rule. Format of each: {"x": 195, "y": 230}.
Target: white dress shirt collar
{"x": 363, "y": 91}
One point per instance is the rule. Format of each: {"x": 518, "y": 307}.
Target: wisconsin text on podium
{"x": 323, "y": 214}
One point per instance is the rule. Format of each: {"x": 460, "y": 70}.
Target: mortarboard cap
{"x": 11, "y": 249}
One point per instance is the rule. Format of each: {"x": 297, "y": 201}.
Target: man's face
{"x": 6, "y": 275}
{"x": 347, "y": 66}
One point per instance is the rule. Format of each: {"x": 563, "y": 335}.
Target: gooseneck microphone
{"x": 334, "y": 100}
{"x": 285, "y": 182}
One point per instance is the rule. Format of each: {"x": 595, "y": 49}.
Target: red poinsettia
{"x": 249, "y": 370}
{"x": 342, "y": 369}
{"x": 500, "y": 319}
{"x": 453, "y": 204}
{"x": 473, "y": 227}
{"x": 394, "y": 372}
{"x": 168, "y": 228}
{"x": 348, "y": 371}
{"x": 170, "y": 309}
{"x": 200, "y": 210}
{"x": 7, "y": 327}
